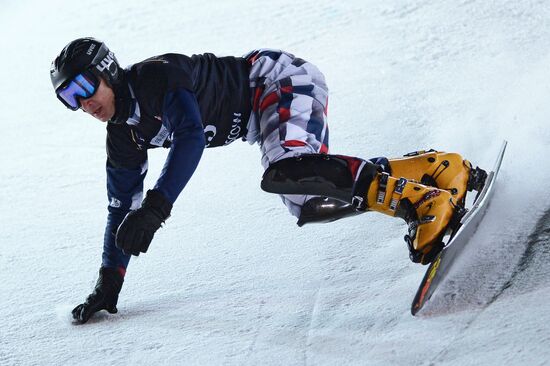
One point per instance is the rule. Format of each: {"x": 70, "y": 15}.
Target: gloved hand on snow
{"x": 138, "y": 227}
{"x": 104, "y": 296}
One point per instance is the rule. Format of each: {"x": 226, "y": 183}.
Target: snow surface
{"x": 231, "y": 279}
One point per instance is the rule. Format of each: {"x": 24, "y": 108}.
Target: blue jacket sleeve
{"x": 125, "y": 193}
{"x": 181, "y": 116}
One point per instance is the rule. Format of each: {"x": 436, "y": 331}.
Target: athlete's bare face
{"x": 101, "y": 105}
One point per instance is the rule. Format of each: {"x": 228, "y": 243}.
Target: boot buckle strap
{"x": 397, "y": 192}
{"x": 383, "y": 183}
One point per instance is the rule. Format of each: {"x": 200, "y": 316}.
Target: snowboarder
{"x": 269, "y": 97}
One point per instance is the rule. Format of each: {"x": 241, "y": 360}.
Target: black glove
{"x": 138, "y": 227}
{"x": 104, "y": 297}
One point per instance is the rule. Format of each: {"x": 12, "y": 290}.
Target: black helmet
{"x": 85, "y": 54}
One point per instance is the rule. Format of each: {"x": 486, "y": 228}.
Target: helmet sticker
{"x": 91, "y": 49}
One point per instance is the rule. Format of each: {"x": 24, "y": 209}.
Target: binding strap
{"x": 397, "y": 192}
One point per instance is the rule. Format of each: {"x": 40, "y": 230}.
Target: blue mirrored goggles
{"x": 83, "y": 85}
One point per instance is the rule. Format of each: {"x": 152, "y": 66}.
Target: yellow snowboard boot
{"x": 427, "y": 210}
{"x": 448, "y": 171}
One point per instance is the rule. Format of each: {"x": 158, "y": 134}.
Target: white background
{"x": 231, "y": 280}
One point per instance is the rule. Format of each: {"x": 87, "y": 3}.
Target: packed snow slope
{"x": 231, "y": 279}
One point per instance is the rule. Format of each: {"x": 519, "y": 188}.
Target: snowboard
{"x": 443, "y": 262}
